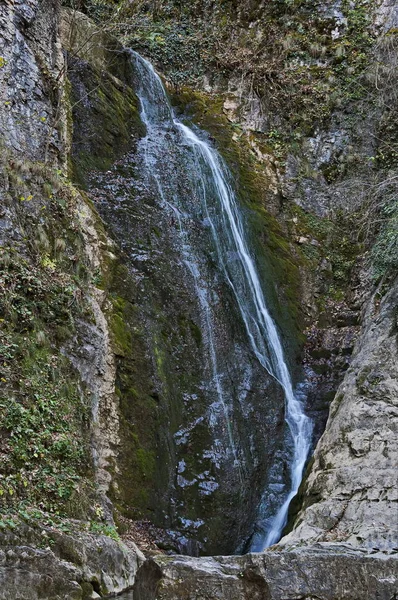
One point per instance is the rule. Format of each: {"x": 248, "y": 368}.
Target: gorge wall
{"x": 57, "y": 535}
{"x": 172, "y": 309}
{"x": 108, "y": 321}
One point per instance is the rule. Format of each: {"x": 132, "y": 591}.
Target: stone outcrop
{"x": 53, "y": 565}
{"x": 50, "y": 228}
{"x": 321, "y": 572}
{"x": 104, "y": 119}
{"x": 91, "y": 353}
{"x": 163, "y": 373}
{"x": 351, "y": 493}
{"x": 343, "y": 544}
{"x": 31, "y": 73}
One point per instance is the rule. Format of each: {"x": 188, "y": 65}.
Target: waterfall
{"x": 230, "y": 240}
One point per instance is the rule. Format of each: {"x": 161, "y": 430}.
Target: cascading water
{"x": 238, "y": 267}
{"x": 155, "y": 111}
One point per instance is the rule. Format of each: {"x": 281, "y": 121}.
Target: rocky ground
{"x": 322, "y": 571}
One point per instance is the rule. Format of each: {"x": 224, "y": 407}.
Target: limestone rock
{"x": 323, "y": 571}
{"x": 75, "y": 567}
{"x": 351, "y": 490}
{"x": 31, "y": 67}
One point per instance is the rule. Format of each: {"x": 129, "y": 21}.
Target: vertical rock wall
{"x": 31, "y": 73}
{"x": 60, "y": 373}
{"x": 351, "y": 492}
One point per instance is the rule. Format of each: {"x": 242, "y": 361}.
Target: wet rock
{"x": 204, "y": 484}
{"x": 103, "y": 104}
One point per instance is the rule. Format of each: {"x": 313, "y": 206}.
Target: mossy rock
{"x": 103, "y": 107}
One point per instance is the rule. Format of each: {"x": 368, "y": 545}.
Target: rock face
{"x": 322, "y": 572}
{"x": 169, "y": 308}
{"x": 103, "y": 106}
{"x": 196, "y": 486}
{"x": 54, "y": 236}
{"x": 31, "y": 70}
{"x": 343, "y": 544}
{"x": 75, "y": 567}
{"x": 351, "y": 493}
{"x": 102, "y": 112}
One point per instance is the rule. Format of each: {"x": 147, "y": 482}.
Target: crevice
{"x": 147, "y": 581}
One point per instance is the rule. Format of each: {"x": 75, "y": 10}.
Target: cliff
{"x": 57, "y": 536}
{"x": 104, "y": 357}
{"x": 343, "y": 544}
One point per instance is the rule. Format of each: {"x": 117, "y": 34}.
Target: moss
{"x": 45, "y": 410}
{"x": 196, "y": 332}
{"x": 106, "y": 119}
{"x": 121, "y": 336}
{"x": 138, "y": 467}
{"x": 333, "y": 240}
{"x": 138, "y": 409}
{"x": 68, "y": 125}
{"x": 278, "y": 266}
{"x": 146, "y": 462}
{"x": 87, "y": 589}
{"x": 320, "y": 369}
{"x": 48, "y": 429}
{"x": 335, "y": 404}
{"x": 294, "y": 65}
{"x": 102, "y": 103}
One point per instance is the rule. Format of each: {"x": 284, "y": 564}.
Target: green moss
{"x": 196, "y": 332}
{"x": 295, "y": 66}
{"x": 46, "y": 423}
{"x": 385, "y": 250}
{"x": 146, "y": 462}
{"x": 138, "y": 468}
{"x": 278, "y": 266}
{"x": 335, "y": 241}
{"x": 104, "y": 129}
{"x": 121, "y": 336}
{"x": 44, "y": 410}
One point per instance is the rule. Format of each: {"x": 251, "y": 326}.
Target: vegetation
{"x": 383, "y": 196}
{"x": 310, "y": 71}
{"x": 289, "y": 53}
{"x": 45, "y": 527}
{"x": 45, "y": 456}
{"x": 308, "y": 74}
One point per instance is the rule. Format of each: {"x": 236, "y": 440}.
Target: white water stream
{"x": 243, "y": 278}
